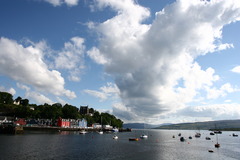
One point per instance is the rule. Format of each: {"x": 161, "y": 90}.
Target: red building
{"x": 20, "y": 121}
{"x": 63, "y": 122}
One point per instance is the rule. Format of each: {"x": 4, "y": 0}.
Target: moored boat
{"x": 82, "y": 132}
{"x": 218, "y": 132}
{"x": 208, "y": 138}
{"x": 182, "y": 139}
{"x": 212, "y": 133}
{"x": 198, "y": 135}
{"x": 217, "y": 145}
{"x": 211, "y": 151}
{"x": 143, "y": 136}
{"x": 234, "y": 135}
{"x": 133, "y": 139}
{"x": 115, "y": 137}
{"x": 115, "y": 130}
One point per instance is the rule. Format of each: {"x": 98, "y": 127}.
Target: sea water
{"x": 160, "y": 145}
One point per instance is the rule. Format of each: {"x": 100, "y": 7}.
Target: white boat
{"x": 82, "y": 132}
{"x": 115, "y": 137}
{"x": 115, "y": 130}
{"x": 144, "y": 136}
{"x": 100, "y": 132}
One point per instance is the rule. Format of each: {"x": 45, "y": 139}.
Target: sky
{"x": 150, "y": 61}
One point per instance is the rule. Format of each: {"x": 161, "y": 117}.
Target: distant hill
{"x": 141, "y": 125}
{"x": 222, "y": 125}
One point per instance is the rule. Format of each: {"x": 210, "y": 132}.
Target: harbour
{"x": 160, "y": 145}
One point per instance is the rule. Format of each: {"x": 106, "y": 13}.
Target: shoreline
{"x": 47, "y": 128}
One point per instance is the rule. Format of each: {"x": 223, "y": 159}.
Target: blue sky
{"x": 148, "y": 60}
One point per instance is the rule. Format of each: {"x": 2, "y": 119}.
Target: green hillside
{"x": 221, "y": 125}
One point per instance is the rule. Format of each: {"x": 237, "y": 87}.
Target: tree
{"x": 52, "y": 111}
{"x": 24, "y": 102}
{"x": 91, "y": 110}
{"x": 97, "y": 117}
{"x": 22, "y": 112}
{"x": 18, "y": 99}
{"x": 70, "y": 111}
{"x": 6, "y": 98}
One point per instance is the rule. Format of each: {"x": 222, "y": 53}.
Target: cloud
{"x": 154, "y": 64}
{"x": 69, "y": 3}
{"x": 26, "y": 65}
{"x": 10, "y": 90}
{"x": 95, "y": 55}
{"x": 105, "y": 92}
{"x": 213, "y": 93}
{"x": 214, "y": 112}
{"x": 120, "y": 110}
{"x": 236, "y": 69}
{"x": 70, "y": 58}
{"x": 37, "y": 97}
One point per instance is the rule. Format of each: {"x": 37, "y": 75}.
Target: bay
{"x": 160, "y": 145}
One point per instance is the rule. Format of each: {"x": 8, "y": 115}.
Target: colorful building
{"x": 20, "y": 121}
{"x": 63, "y": 122}
{"x": 82, "y": 123}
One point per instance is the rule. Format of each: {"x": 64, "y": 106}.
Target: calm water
{"x": 159, "y": 146}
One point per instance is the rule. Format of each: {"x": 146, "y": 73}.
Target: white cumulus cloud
{"x": 105, "y": 92}
{"x": 70, "y": 58}
{"x": 26, "y": 65}
{"x": 236, "y": 69}
{"x": 9, "y": 90}
{"x": 69, "y": 3}
{"x": 154, "y": 64}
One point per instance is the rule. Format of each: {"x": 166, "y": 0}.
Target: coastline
{"x": 49, "y": 128}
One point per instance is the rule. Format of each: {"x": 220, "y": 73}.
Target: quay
{"x": 11, "y": 129}
{"x": 55, "y": 128}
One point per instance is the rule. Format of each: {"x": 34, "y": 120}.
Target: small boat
{"x": 115, "y": 130}
{"x": 211, "y": 151}
{"x": 198, "y": 135}
{"x": 115, "y": 137}
{"x": 143, "y": 136}
{"x": 217, "y": 145}
{"x": 208, "y": 138}
{"x": 173, "y": 136}
{"x": 234, "y": 135}
{"x": 190, "y": 137}
{"x": 211, "y": 133}
{"x": 179, "y": 134}
{"x": 82, "y": 132}
{"x": 182, "y": 139}
{"x": 133, "y": 139}
{"x": 100, "y": 132}
{"x": 218, "y": 132}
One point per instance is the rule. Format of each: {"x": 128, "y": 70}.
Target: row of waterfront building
{"x": 64, "y": 123}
